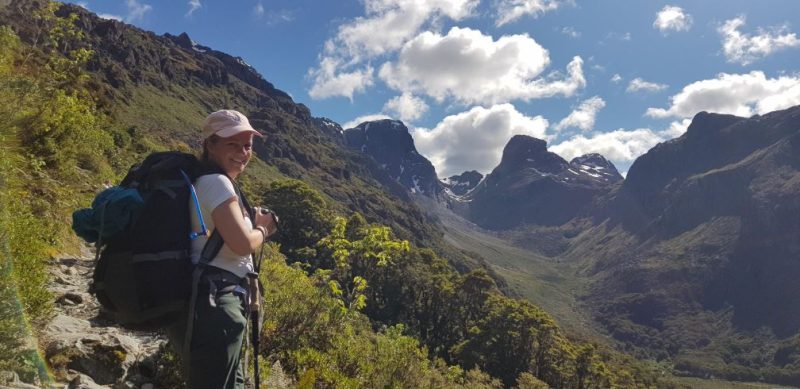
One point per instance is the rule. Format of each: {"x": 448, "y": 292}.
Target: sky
{"x": 614, "y": 77}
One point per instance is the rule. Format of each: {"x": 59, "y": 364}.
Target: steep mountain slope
{"x": 160, "y": 88}
{"x": 534, "y": 186}
{"x": 390, "y": 144}
{"x": 696, "y": 254}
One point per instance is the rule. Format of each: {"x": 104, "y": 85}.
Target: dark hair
{"x": 204, "y": 155}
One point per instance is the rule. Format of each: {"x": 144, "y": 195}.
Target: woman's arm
{"x": 240, "y": 236}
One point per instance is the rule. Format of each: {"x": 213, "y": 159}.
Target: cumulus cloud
{"x": 620, "y": 146}
{"x": 737, "y": 94}
{"x": 365, "y": 118}
{"x": 329, "y": 81}
{"x": 676, "y": 129}
{"x": 136, "y": 10}
{"x": 672, "y": 18}
{"x": 475, "y": 139}
{"x": 194, "y": 5}
{"x": 616, "y": 78}
{"x": 639, "y": 85}
{"x": 406, "y": 107}
{"x": 584, "y": 116}
{"x": 746, "y": 48}
{"x": 511, "y": 10}
{"x": 390, "y": 23}
{"x": 474, "y": 68}
{"x": 386, "y": 26}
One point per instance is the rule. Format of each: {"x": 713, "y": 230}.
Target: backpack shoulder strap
{"x": 214, "y": 243}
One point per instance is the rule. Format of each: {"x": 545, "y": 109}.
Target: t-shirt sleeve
{"x": 213, "y": 190}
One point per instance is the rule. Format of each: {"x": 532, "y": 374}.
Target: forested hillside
{"x": 362, "y": 290}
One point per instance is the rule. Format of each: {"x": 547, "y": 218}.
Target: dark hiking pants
{"x": 217, "y": 339}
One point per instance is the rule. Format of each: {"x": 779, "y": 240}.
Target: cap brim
{"x": 236, "y": 130}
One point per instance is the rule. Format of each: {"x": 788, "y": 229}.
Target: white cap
{"x": 226, "y": 123}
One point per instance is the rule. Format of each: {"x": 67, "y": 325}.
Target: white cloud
{"x": 511, "y": 10}
{"x": 584, "y": 116}
{"x": 745, "y": 48}
{"x": 136, "y": 10}
{"x": 258, "y": 10}
{"x": 365, "y": 118}
{"x": 620, "y": 146}
{"x": 386, "y": 26}
{"x": 637, "y": 85}
{"x": 676, "y": 129}
{"x": 737, "y": 94}
{"x": 473, "y": 68}
{"x": 110, "y": 17}
{"x": 328, "y": 82}
{"x": 672, "y": 18}
{"x": 616, "y": 78}
{"x": 626, "y": 36}
{"x": 194, "y": 5}
{"x": 475, "y": 139}
{"x": 390, "y": 23}
{"x": 571, "y": 32}
{"x": 406, "y": 107}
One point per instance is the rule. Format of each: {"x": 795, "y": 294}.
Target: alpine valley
{"x": 544, "y": 272}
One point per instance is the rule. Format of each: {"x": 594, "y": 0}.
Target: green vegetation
{"x": 362, "y": 304}
{"x": 55, "y": 146}
{"x": 462, "y": 319}
{"x": 322, "y": 343}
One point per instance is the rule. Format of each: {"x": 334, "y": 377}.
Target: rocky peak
{"x": 709, "y": 123}
{"x": 383, "y": 136}
{"x": 330, "y": 128}
{"x": 391, "y": 145}
{"x": 523, "y": 151}
{"x": 596, "y": 166}
{"x": 462, "y": 183}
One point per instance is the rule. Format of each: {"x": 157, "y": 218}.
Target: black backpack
{"x": 143, "y": 275}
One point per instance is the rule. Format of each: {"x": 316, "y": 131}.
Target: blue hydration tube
{"x": 203, "y": 231}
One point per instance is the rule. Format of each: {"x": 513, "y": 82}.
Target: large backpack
{"x": 143, "y": 275}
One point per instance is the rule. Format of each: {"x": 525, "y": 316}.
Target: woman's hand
{"x": 266, "y": 220}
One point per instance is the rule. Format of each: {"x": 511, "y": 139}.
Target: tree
{"x": 305, "y": 218}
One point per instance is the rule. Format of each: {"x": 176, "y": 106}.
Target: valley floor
{"x": 541, "y": 280}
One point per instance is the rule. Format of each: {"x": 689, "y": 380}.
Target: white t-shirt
{"x": 213, "y": 190}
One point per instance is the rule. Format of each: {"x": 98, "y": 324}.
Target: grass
{"x": 702, "y": 383}
{"x": 551, "y": 285}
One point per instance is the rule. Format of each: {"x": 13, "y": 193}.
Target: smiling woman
{"x": 211, "y": 341}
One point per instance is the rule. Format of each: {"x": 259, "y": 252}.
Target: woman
{"x": 223, "y": 304}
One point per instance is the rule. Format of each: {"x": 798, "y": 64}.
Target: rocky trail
{"x": 84, "y": 349}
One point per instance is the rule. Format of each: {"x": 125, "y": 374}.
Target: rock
{"x": 147, "y": 386}
{"x": 84, "y": 382}
{"x": 70, "y": 299}
{"x": 104, "y": 354}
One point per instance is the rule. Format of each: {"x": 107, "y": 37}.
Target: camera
{"x": 265, "y": 211}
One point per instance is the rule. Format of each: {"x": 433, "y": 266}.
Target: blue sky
{"x": 614, "y": 76}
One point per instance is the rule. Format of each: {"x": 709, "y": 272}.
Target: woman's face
{"x": 233, "y": 153}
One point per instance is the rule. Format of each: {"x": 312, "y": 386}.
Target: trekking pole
{"x": 255, "y": 318}
{"x": 255, "y": 315}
